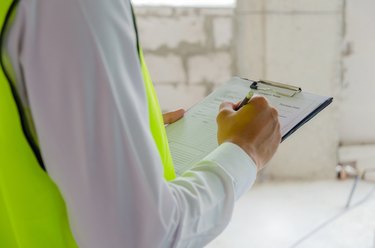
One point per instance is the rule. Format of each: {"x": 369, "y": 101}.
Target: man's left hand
{"x": 171, "y": 117}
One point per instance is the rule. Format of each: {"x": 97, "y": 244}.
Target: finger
{"x": 227, "y": 106}
{"x": 275, "y": 114}
{"x": 225, "y": 109}
{"x": 259, "y": 101}
{"x": 174, "y": 116}
{"x": 256, "y": 103}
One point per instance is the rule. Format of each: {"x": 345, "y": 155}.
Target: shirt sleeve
{"x": 79, "y": 62}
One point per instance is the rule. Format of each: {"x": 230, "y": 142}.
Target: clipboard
{"x": 287, "y": 90}
{"x": 194, "y": 136}
{"x": 294, "y": 89}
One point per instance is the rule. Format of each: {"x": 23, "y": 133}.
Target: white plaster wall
{"x": 296, "y": 42}
{"x": 357, "y": 107}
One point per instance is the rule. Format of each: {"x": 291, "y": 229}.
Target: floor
{"x": 302, "y": 215}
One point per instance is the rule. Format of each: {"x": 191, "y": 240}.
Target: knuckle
{"x": 278, "y": 130}
{"x": 275, "y": 114}
{"x": 260, "y": 102}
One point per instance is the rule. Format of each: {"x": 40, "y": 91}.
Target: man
{"x": 77, "y": 69}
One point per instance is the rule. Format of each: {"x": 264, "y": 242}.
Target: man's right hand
{"x": 255, "y": 128}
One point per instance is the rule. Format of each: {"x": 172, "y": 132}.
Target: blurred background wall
{"x": 189, "y": 50}
{"x": 322, "y": 46}
{"x": 357, "y": 112}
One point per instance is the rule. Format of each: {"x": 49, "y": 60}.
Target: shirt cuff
{"x": 237, "y": 163}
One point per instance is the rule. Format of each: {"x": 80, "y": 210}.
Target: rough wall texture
{"x": 189, "y": 51}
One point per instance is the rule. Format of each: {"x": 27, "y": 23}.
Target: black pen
{"x": 245, "y": 100}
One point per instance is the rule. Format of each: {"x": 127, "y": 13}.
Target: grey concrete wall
{"x": 189, "y": 51}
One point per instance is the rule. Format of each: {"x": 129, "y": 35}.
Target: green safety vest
{"x": 32, "y": 210}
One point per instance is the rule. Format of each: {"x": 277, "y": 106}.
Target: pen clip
{"x": 294, "y": 89}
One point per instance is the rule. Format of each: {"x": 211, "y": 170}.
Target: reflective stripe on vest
{"x": 32, "y": 211}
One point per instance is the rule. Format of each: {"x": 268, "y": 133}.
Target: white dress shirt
{"x": 78, "y": 62}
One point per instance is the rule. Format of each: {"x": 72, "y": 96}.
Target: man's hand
{"x": 174, "y": 116}
{"x": 255, "y": 128}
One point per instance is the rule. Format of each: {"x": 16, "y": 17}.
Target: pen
{"x": 245, "y": 100}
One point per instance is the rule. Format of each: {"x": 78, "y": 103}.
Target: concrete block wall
{"x": 189, "y": 51}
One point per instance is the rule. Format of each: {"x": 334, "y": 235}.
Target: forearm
{"x": 206, "y": 194}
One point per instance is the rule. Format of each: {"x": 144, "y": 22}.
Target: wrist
{"x": 249, "y": 149}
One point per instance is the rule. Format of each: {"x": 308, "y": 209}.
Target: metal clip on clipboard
{"x": 281, "y": 89}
